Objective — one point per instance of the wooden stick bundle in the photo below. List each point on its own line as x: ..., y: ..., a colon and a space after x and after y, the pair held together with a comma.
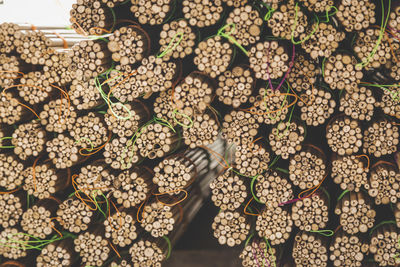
x: 356, y: 15
x: 92, y: 246
x: 130, y: 118
x: 128, y: 45
x: 35, y: 87
x: 310, y: 249
x: 239, y: 128
x: 307, y: 168
x: 46, y: 182
x: 381, y: 138
x: 177, y: 35
x: 84, y: 94
x: 11, y: 206
x: 286, y: 138
x: 29, y: 140
x: 95, y: 179
x: 350, y: 172
x: 356, y: 212
x: 283, y: 21
x: 11, y: 111
x: 56, y: 69
x: 151, y: 12
x: 153, y: 75
x: 252, y: 159
x: 344, y: 135
x: 10, y: 37
x: 203, y: 130
x: 235, y: 87
x: 89, y: 59
x: 384, y: 245
x: 247, y: 25
x: 303, y: 74
x: 275, y: 224
x: 159, y: 219
x: 384, y: 183
x: 121, y: 228
x: 358, y: 103
x: 59, y: 253
x: 348, y: 250
x: 228, y: 191
x: 91, y: 17
x: 131, y: 187
x: 316, y: 106
x: 63, y: 151
x: 10, y: 172
x: 13, y: 243
x: 148, y: 252
x: 193, y: 94
x: 342, y: 72
x: 36, y: 221
x: 311, y: 214
x: 323, y: 42
x: 269, y: 106
x: 230, y: 228
x: 201, y: 13
x: 58, y: 116
x: 156, y: 140
x: 257, y: 251
x: 273, y: 188
x: 90, y: 131
x: 11, y: 69
x: 389, y: 102
x: 34, y: 48
x: 213, y: 55
x: 268, y: 60
x: 75, y: 215
x: 121, y: 154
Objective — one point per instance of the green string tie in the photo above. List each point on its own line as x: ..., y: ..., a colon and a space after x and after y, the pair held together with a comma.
x: 327, y: 233
x: 382, y: 31
x: 6, y: 138
x: 183, y: 115
x: 170, y: 47
x: 294, y: 28
x: 221, y: 32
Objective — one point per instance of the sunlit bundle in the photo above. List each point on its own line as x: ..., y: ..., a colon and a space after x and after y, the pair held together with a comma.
x: 256, y: 252
x: 390, y: 102
x: 59, y: 253
x: 35, y: 88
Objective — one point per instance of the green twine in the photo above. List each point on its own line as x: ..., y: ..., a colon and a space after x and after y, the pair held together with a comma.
x: 270, y: 11
x: 342, y: 194
x: 252, y: 190
x: 278, y: 113
x: 248, y: 239
x: 6, y: 138
x: 169, y: 247
x: 25, y: 244
x: 327, y: 195
x: 327, y: 15
x: 380, y: 224
x: 382, y: 31
x: 327, y: 233
x: 169, y: 48
x: 393, y: 94
x: 110, y: 103
x: 287, y: 127
x: 183, y: 115
x: 294, y: 28
x: 228, y: 36
x: 97, y: 204
x: 88, y: 140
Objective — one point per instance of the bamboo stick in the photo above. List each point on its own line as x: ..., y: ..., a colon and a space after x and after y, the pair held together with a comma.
x: 14, y: 243
x: 310, y: 249
x: 303, y: 74
x: 29, y: 140
x: 252, y: 159
x: 350, y: 172
x: 11, y: 208
x: 84, y: 94
x: 318, y: 6
x: 230, y: 228
x: 273, y: 188
x: 384, y: 245
x: 381, y: 138
x: 356, y: 15
x: 75, y: 215
x: 202, y: 13
x: 358, y: 103
x: 10, y: 171
x: 287, y: 138
x: 59, y: 253
x: 121, y: 153
x: 58, y: 116
x: 275, y: 224
x: 151, y: 12
x: 239, y: 128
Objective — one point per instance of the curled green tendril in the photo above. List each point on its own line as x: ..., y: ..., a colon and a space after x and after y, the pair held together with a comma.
x: 327, y: 15
x: 221, y: 32
x: 88, y: 140
x: 342, y: 194
x: 170, y: 47
x: 294, y: 28
x: 6, y: 138
x: 324, y: 232
x: 252, y: 190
